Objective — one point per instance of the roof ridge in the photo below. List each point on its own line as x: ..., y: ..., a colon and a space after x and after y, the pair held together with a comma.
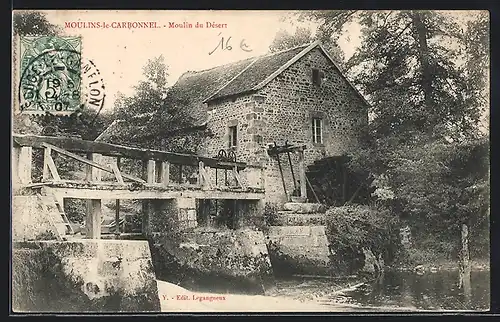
x: 249, y: 58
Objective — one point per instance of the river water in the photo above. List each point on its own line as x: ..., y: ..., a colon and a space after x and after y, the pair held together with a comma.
x: 431, y: 291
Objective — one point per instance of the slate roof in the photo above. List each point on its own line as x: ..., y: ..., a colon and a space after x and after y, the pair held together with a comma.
x: 194, y: 88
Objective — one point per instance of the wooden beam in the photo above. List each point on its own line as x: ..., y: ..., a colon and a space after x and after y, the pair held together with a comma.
x: 120, y: 193
x: 238, y: 178
x: 302, y: 175
x: 117, y: 173
x: 275, y: 150
x: 107, y: 149
x: 282, y: 177
x: 312, y: 189
x: 93, y: 219
x: 49, y: 167
x: 91, y: 163
x: 291, y: 169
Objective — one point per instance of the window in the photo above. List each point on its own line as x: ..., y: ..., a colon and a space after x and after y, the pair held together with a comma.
x: 233, y: 136
x: 317, y: 76
x: 317, y: 127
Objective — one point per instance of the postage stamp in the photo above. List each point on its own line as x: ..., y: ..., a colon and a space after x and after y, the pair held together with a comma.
x: 50, y: 69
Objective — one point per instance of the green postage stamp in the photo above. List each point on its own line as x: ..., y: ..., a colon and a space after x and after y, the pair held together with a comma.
x: 50, y: 68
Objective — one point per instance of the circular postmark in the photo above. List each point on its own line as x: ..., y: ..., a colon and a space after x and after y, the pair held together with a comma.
x: 54, y: 79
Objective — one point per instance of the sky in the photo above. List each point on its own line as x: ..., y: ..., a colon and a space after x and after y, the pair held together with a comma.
x: 120, y: 54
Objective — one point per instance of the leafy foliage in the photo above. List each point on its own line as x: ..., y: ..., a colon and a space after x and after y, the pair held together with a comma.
x: 33, y: 23
x: 153, y: 118
x: 284, y: 40
x: 426, y: 76
x: 354, y: 227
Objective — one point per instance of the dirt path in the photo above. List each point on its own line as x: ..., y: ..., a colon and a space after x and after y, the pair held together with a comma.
x: 174, y: 298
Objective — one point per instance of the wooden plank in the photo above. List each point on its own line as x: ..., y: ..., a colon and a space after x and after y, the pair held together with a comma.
x: 203, y: 177
x: 49, y: 167
x: 312, y: 189
x: 238, y: 178
x: 91, y: 163
x: 107, y: 149
x: 92, y: 193
x: 93, y: 219
x: 117, y: 173
x: 150, y: 171
x: 165, y: 173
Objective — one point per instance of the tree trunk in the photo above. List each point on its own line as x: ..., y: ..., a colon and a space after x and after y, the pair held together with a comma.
x: 421, y: 37
x: 465, y: 271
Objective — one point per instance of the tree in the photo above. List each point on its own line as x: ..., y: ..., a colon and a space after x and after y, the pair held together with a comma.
x: 152, y: 117
x: 424, y: 73
x: 284, y: 40
x: 33, y: 23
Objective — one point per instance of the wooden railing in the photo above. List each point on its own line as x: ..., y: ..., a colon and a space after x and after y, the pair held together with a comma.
x: 154, y: 160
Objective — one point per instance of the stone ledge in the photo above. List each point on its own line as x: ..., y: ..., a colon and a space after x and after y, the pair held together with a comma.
x: 288, y: 218
x: 304, y: 208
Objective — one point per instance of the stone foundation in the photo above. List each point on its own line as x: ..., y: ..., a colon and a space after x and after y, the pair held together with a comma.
x: 32, y: 221
x: 83, y: 276
x: 299, y: 250
x: 212, y: 260
x: 297, y: 240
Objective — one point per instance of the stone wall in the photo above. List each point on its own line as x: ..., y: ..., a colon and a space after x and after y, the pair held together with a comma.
x: 299, y: 250
x: 283, y: 111
x: 297, y: 240
x: 83, y: 276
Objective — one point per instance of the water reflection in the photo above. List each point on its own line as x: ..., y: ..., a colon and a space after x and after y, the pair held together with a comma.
x: 431, y: 291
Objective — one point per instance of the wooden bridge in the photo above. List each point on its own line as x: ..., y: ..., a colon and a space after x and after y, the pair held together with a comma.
x: 214, y: 178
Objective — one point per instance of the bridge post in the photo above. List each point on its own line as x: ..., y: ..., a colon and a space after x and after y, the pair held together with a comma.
x: 93, y: 219
x: 151, y: 171
x: 146, y: 216
x: 93, y: 215
x: 93, y: 174
x: 165, y: 173
x: 21, y: 164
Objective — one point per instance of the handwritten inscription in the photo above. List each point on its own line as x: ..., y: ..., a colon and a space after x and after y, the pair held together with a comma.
x: 224, y: 44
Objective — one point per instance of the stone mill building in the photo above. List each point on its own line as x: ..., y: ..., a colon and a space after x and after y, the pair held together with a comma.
x: 296, y: 101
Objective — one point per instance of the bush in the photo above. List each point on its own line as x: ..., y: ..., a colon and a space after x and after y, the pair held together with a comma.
x: 354, y: 227
x: 270, y: 214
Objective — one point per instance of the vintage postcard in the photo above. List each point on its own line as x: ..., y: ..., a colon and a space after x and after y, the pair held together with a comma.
x: 250, y: 161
